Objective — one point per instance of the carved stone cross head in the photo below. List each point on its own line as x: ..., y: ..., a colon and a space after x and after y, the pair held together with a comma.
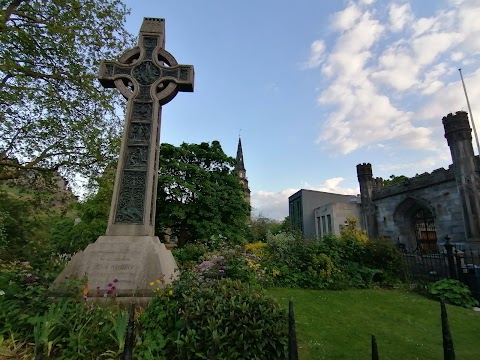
x: 141, y: 74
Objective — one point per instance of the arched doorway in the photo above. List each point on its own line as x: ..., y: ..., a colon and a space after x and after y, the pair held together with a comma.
x: 425, y: 234
x: 415, y: 224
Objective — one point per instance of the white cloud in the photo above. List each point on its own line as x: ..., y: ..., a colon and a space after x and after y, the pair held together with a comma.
x: 273, y: 205
x: 442, y: 157
x: 400, y: 15
x: 367, y: 2
x: 451, y: 98
x: 333, y: 185
x: 383, y: 85
x: 344, y: 20
x: 316, y: 54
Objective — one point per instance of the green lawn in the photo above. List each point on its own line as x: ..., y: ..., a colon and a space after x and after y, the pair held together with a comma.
x: 338, y: 325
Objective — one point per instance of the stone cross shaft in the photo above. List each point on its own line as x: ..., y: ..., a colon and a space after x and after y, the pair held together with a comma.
x: 148, y: 77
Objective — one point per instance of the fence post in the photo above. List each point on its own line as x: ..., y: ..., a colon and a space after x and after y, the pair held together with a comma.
x: 39, y: 352
x: 448, y: 351
x: 374, y: 348
x: 213, y: 351
x: 451, y: 260
x: 458, y: 263
x: 292, y: 333
x: 129, y: 343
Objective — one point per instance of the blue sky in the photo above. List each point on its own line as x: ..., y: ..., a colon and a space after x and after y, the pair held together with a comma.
x: 317, y: 87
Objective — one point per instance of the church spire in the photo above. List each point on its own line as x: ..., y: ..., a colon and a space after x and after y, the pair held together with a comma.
x: 240, y: 166
x: 241, y: 172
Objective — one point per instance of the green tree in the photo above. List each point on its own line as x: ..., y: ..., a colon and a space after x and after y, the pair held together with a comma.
x: 394, y: 180
x: 199, y: 194
x: 54, y: 115
x: 68, y: 235
x: 260, y: 226
x: 24, y: 223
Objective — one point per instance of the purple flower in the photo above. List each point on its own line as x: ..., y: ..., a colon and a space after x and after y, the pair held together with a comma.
x: 115, y: 280
x: 110, y: 292
x: 205, y: 265
x: 110, y: 285
x: 113, y: 288
x: 85, y: 297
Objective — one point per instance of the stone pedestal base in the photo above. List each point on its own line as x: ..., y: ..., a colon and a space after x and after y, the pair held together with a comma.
x: 135, y: 261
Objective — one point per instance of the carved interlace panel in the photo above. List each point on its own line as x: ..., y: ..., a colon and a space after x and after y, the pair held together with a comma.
x: 142, y: 111
x: 136, y: 157
x: 132, y: 197
x: 149, y: 43
x: 144, y: 93
x: 146, y: 73
x: 139, y: 132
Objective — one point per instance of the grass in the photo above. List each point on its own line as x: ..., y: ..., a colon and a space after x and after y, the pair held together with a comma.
x: 339, y: 324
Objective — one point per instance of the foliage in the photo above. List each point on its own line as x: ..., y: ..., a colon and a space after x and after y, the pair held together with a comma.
x: 189, y: 255
x: 13, y: 348
x: 199, y: 194
x: 381, y: 253
x: 60, y: 328
x: 453, y: 292
x: 222, y: 319
x: 332, y: 263
x: 352, y: 231
x: 260, y: 226
x: 17, y: 224
x: 68, y: 236
x: 54, y: 114
x: 394, y: 180
x: 25, y: 219
x: 24, y: 296
x: 65, y: 330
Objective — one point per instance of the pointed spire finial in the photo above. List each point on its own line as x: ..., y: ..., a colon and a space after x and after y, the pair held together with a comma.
x: 240, y: 165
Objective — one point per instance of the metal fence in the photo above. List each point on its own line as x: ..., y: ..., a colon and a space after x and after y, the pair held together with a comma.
x: 451, y: 263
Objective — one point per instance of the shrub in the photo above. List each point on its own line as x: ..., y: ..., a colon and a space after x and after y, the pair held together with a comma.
x: 453, y: 292
x: 352, y: 232
x: 23, y: 296
x: 224, y: 318
x: 189, y: 255
x: 382, y: 254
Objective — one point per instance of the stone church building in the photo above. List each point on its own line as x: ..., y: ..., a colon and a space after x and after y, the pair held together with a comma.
x: 422, y: 211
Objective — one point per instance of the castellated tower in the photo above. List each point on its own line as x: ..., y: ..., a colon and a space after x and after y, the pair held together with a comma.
x: 242, y: 173
x: 365, y: 179
x: 459, y: 137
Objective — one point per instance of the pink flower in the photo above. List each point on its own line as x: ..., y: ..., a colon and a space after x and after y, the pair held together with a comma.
x: 110, y: 285
x: 115, y: 280
x: 85, y: 297
x: 113, y: 288
x: 109, y: 292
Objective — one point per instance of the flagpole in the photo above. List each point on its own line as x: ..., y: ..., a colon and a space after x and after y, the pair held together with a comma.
x: 470, y: 111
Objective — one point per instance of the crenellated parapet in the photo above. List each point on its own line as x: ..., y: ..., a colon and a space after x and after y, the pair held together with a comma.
x: 377, y: 183
x: 437, y: 176
x: 457, y: 127
x: 364, y: 171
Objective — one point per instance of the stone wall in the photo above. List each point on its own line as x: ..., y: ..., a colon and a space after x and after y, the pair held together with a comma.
x: 436, y: 191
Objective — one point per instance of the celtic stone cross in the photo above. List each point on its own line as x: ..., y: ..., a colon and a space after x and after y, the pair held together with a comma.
x: 148, y: 77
